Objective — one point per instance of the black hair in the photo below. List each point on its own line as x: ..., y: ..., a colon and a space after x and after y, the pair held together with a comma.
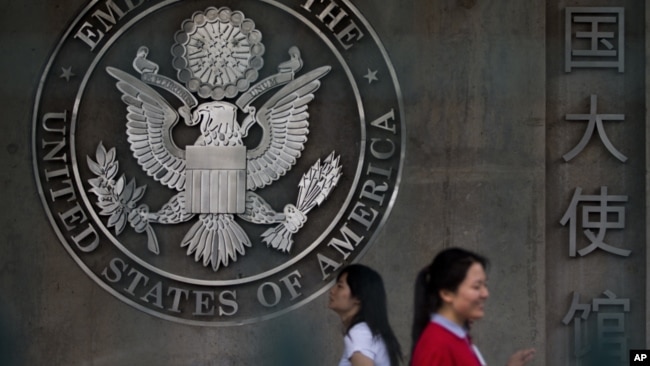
x: 446, y: 272
x: 367, y: 286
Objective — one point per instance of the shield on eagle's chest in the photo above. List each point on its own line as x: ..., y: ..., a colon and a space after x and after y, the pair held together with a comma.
x: 215, y: 179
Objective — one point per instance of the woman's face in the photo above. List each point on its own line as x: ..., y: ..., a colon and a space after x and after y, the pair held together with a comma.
x: 341, y: 299
x: 467, y: 303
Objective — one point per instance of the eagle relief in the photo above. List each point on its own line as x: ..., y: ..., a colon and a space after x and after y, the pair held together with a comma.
x: 216, y: 165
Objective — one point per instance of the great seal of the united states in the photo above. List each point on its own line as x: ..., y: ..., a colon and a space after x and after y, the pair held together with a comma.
x: 217, y: 164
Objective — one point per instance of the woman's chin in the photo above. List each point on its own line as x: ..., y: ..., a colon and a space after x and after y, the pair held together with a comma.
x: 477, y: 316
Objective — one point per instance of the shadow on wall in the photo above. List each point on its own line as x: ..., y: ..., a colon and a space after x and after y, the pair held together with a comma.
x: 605, y: 355
x: 290, y: 341
x: 9, y: 345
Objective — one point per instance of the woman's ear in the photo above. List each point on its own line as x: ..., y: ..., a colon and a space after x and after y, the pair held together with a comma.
x: 447, y: 295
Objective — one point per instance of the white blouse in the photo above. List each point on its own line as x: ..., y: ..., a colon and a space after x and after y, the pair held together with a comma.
x: 360, y: 339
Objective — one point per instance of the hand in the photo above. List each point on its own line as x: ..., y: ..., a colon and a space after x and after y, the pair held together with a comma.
x: 521, y: 357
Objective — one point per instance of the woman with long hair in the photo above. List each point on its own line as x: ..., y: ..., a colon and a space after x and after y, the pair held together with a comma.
x: 450, y: 294
x: 359, y: 298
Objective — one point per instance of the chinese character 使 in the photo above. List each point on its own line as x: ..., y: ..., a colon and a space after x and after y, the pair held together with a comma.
x: 599, y: 214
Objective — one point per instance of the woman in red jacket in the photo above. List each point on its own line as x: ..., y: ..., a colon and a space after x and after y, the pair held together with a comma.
x: 450, y: 294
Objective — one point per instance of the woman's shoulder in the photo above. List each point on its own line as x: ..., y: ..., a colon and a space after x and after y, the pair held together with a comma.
x: 361, y: 333
x: 360, y: 339
x: 438, y: 332
x: 436, y: 346
x: 361, y: 329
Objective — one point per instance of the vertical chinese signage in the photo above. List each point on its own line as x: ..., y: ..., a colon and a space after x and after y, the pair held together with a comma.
x: 595, y: 182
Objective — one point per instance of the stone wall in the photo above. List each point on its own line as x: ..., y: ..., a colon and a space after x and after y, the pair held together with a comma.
x: 484, y: 99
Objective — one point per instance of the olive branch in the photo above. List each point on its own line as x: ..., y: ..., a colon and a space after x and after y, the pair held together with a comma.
x: 117, y: 198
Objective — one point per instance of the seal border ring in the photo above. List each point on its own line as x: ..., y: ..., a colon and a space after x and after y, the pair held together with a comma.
x: 398, y: 176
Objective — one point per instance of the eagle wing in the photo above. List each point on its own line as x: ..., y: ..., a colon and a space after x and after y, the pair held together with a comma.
x: 284, y: 119
x: 150, y: 119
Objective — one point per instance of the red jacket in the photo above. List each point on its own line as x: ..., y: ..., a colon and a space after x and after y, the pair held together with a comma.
x: 438, y: 346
